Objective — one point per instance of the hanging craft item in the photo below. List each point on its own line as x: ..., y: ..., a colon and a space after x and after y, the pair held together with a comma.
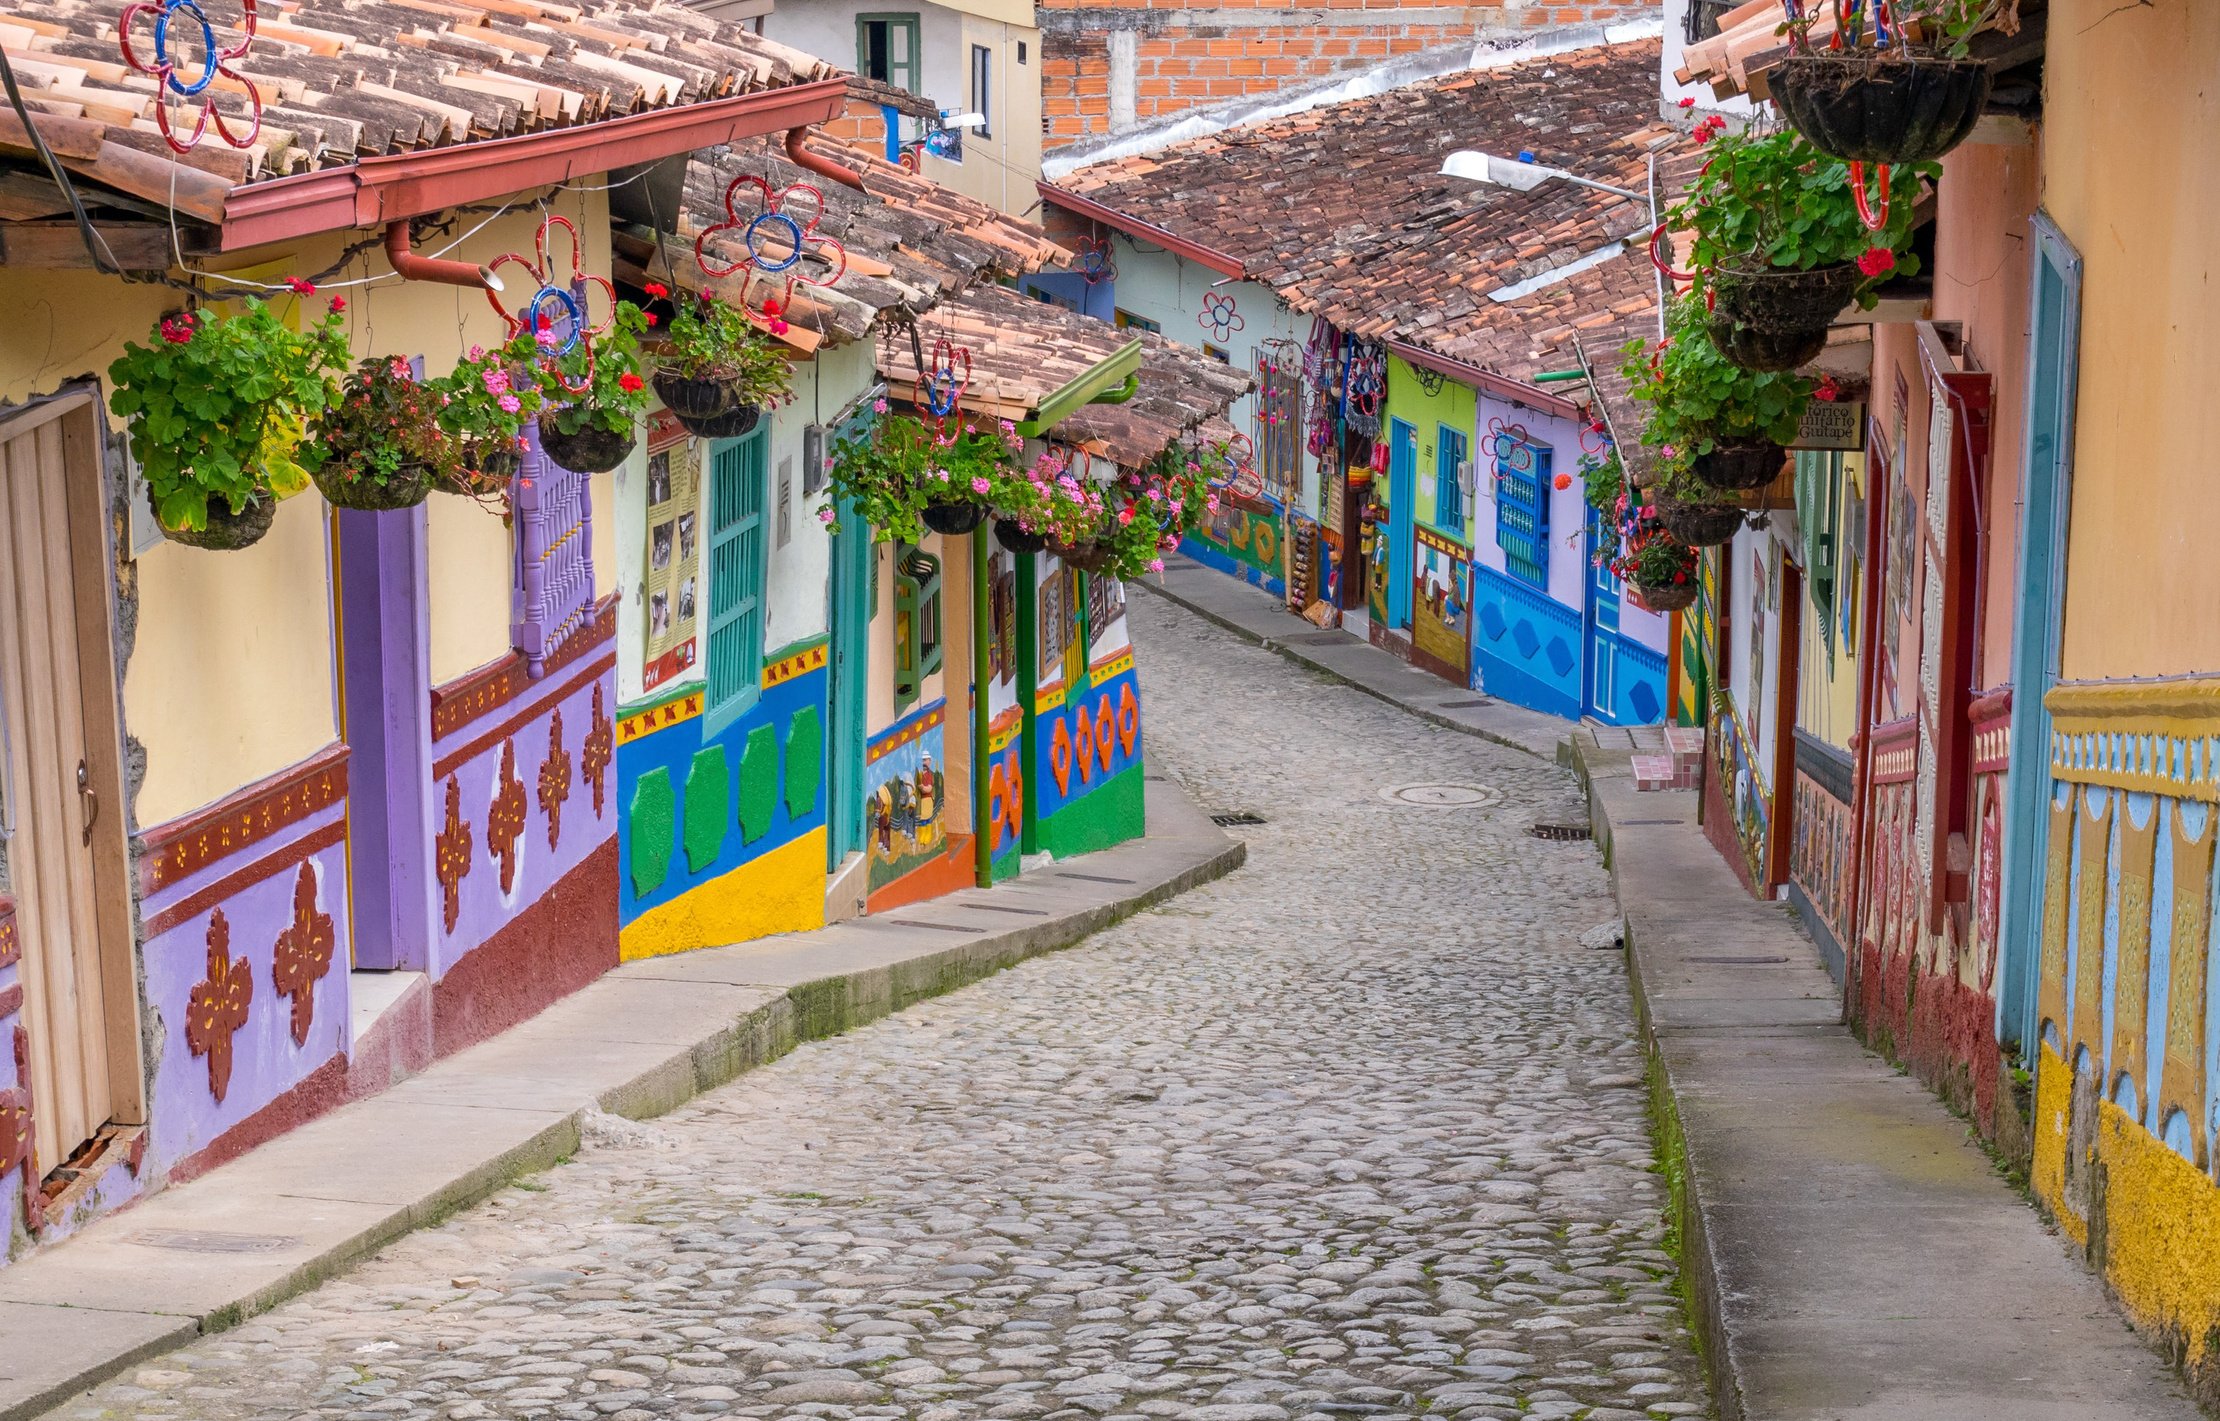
x: 170, y: 16
x: 1095, y: 262
x: 1431, y: 381
x: 1595, y: 438
x: 1511, y: 447
x: 1218, y: 316
x: 942, y: 385
x: 1322, y: 354
x: 557, y: 311
x: 773, y: 240
x: 1365, y: 387
x: 1246, y: 481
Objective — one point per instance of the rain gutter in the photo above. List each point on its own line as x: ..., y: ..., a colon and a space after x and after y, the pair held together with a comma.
x: 1464, y: 373
x: 1110, y: 217
x: 1116, y: 377
x: 389, y: 188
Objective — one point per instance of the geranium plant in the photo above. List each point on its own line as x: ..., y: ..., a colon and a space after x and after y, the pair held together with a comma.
x: 1699, y: 401
x: 1124, y: 528
x: 712, y: 341
x: 489, y: 397
x: 380, y: 443
x: 1650, y: 557
x: 216, y: 407
x: 597, y: 382
x: 881, y: 474
x: 1603, y: 483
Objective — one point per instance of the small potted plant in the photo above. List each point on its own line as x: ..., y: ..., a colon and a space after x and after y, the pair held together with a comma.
x: 1727, y: 426
x: 973, y: 475
x: 880, y: 474
x: 487, y: 399
x: 215, y: 410
x: 1778, y: 248
x: 1658, y: 569
x: 714, y: 372
x: 1888, y: 101
x: 1124, y: 528
x: 595, y: 392
x: 380, y: 444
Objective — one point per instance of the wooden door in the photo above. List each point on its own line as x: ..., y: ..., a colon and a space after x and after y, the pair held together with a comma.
x: 60, y: 780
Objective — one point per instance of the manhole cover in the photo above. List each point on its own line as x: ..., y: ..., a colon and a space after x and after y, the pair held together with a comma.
x: 1238, y: 817
x: 1443, y: 796
x: 211, y: 1241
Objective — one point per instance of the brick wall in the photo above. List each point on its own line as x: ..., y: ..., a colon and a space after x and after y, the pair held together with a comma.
x: 1166, y: 58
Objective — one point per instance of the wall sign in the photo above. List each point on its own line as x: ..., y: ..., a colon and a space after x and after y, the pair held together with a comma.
x: 671, y: 585
x: 1832, y: 424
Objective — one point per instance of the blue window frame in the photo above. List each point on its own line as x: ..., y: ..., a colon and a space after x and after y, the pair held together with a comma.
x: 1522, y: 506
x: 1450, y: 448
x: 737, y: 559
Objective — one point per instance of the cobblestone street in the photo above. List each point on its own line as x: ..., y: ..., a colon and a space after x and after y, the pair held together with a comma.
x: 1358, y: 1130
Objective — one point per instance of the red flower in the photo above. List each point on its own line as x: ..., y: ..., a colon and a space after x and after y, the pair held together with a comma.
x: 656, y: 288
x: 178, y: 329
x: 1828, y: 391
x: 630, y: 383
x: 300, y: 286
x: 1687, y: 103
x: 771, y: 308
x: 651, y: 318
x: 338, y: 304
x: 1877, y: 261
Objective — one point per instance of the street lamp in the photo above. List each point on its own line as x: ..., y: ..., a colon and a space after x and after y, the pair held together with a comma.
x: 1520, y: 173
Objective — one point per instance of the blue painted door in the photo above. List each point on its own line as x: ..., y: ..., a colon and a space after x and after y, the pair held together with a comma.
x: 1601, y: 617
x: 2053, y: 345
x: 1402, y: 519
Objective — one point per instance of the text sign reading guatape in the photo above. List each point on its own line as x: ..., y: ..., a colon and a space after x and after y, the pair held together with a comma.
x: 1832, y: 424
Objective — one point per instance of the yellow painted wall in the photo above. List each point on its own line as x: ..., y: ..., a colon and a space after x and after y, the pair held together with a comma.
x: 782, y: 891
x: 1827, y: 679
x: 2131, y: 154
x: 232, y: 677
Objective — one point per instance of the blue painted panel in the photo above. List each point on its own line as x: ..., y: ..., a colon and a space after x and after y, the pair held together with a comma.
x: 1637, y: 682
x: 1526, y: 647
x: 1402, y: 509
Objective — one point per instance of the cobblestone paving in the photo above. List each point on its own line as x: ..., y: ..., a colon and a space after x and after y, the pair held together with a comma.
x: 1357, y: 1131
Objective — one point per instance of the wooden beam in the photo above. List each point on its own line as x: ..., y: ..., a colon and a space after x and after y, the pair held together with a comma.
x: 57, y: 246
x: 26, y: 197
x: 189, y: 190
x: 65, y: 137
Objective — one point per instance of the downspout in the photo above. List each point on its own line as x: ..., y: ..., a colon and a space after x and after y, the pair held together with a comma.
x: 823, y: 167
x: 410, y: 267
x: 1874, y: 571
x: 982, y: 762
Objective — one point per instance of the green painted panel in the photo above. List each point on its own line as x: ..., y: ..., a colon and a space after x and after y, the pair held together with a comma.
x: 1110, y: 814
x: 805, y: 761
x: 759, y: 783
x: 1426, y: 411
x: 654, y: 820
x: 708, y: 801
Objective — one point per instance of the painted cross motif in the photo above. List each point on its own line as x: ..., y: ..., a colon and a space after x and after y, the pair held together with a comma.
x: 304, y: 952
x: 943, y: 384
x: 557, y: 309
x: 214, y: 63
x: 554, y: 779
x: 600, y: 741
x: 452, y: 855
x: 218, y: 1005
x: 773, y: 240
x: 1218, y: 315
x: 505, y: 820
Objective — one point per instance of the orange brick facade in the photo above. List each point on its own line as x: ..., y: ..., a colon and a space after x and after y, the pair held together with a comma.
x: 1186, y: 56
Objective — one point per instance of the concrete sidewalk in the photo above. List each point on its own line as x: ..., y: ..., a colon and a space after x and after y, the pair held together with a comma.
x: 649, y: 1035
x: 1252, y: 613
x: 1853, y: 1254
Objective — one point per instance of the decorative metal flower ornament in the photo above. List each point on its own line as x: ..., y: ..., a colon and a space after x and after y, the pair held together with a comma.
x: 557, y: 312
x: 942, y: 383
x: 1218, y: 315
x: 215, y: 63
x: 774, y: 237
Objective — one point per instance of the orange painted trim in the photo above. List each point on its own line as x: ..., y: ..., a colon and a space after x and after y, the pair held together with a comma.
x: 941, y: 876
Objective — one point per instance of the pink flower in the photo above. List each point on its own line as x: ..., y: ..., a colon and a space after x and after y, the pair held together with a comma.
x: 941, y: 475
x: 825, y: 515
x: 1125, y: 515
x: 1156, y: 564
x: 477, y: 353
x: 1005, y: 426
x: 178, y: 329
x: 878, y: 407
x: 496, y: 381
x: 546, y: 338
x: 511, y: 403
x: 979, y: 484
x: 1877, y: 261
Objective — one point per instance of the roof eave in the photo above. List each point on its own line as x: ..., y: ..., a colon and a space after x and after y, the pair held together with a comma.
x: 1220, y: 262
x: 391, y: 187
x: 1466, y: 373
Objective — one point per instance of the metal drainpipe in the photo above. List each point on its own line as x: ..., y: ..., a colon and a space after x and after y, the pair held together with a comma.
x: 981, y: 762
x: 411, y: 267
x: 822, y: 167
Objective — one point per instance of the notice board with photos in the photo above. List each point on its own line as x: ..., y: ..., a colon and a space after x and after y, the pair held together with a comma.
x: 671, y: 592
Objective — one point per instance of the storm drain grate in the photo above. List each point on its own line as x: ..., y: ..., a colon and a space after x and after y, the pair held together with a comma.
x: 1736, y: 961
x: 1236, y: 818
x: 936, y: 927
x: 1097, y: 878
x: 1005, y: 908
x: 1465, y: 705
x: 1565, y: 832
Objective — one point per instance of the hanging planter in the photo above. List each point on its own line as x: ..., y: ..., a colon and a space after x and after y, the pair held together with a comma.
x: 1087, y: 557
x: 491, y: 462
x: 1740, y: 467
x: 954, y: 516
x: 591, y: 448
x: 1016, y: 539
x: 1886, y: 106
x: 1763, y: 352
x: 1699, y: 525
x: 1671, y: 597
x: 379, y: 444
x: 710, y: 408
x: 224, y: 531
x: 1776, y: 318
x: 714, y: 372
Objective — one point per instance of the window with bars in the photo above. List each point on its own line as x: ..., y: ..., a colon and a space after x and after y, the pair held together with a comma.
x: 1450, y: 450
x: 917, y: 633
x: 553, y: 598
x: 1522, y: 507
x: 737, y: 559
x: 1279, y: 443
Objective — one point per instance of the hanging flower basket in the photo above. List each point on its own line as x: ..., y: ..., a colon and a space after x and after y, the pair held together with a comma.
x: 1671, y: 597
x: 405, y: 487
x: 225, y: 531
x: 1764, y: 352
x: 592, y: 450
x: 953, y: 516
x: 1771, y: 298
x: 493, y: 461
x: 1087, y: 557
x: 1886, y: 107
x: 711, y: 408
x: 1016, y: 539
x: 1742, y: 466
x: 1699, y: 525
